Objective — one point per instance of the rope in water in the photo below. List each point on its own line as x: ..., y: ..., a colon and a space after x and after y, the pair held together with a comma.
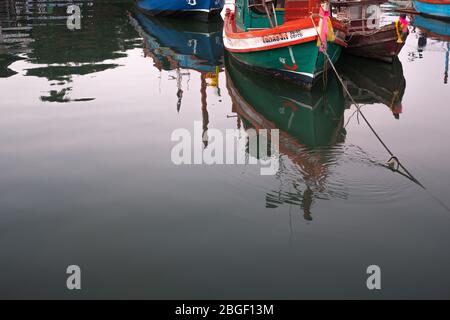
x: 358, y: 107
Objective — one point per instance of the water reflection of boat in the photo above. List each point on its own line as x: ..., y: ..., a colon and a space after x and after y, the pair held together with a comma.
x: 5, y: 61
x: 371, y: 82
x: 36, y: 31
x: 201, y: 9
x: 308, y: 121
x: 437, y: 30
x: 183, y: 45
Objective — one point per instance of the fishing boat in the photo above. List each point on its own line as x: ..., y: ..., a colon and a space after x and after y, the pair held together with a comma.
x: 366, y: 36
x: 437, y: 8
x: 200, y: 9
x: 289, y: 39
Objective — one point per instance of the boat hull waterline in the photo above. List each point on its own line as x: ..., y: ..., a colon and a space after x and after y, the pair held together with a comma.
x: 381, y: 45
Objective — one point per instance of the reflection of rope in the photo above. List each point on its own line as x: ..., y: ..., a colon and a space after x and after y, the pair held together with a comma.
x: 393, y: 157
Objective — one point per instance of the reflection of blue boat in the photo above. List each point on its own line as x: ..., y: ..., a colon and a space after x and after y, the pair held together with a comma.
x: 199, y: 8
x: 437, y: 30
x: 177, y: 44
x: 437, y: 8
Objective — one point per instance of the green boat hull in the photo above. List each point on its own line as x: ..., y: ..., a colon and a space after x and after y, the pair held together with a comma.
x: 302, y: 63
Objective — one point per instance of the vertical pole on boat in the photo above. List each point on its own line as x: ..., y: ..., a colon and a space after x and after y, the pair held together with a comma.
x: 268, y: 14
x: 274, y: 14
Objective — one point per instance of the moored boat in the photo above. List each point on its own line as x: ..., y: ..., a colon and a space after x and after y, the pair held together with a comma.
x: 285, y: 40
x: 201, y: 9
x: 437, y: 8
x: 366, y: 36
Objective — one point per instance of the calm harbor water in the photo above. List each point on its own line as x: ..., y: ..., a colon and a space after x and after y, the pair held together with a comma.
x: 86, y: 176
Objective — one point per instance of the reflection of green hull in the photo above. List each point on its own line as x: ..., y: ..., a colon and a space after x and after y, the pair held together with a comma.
x: 314, y: 118
x: 308, y: 63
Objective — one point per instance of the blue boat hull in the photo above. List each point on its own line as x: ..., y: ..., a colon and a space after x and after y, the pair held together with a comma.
x: 437, y: 10
x: 202, y: 9
x: 436, y: 27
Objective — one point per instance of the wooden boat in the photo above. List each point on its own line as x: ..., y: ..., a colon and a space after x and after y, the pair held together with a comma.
x: 437, y: 8
x: 366, y: 37
x: 373, y: 82
x: 200, y: 9
x: 281, y: 40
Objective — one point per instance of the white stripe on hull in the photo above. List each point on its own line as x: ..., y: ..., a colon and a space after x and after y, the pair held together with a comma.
x: 283, y: 38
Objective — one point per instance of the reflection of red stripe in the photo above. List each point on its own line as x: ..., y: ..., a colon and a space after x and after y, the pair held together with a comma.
x: 293, y: 68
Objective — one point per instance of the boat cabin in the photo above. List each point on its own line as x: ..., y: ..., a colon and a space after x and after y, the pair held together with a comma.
x: 263, y: 14
x: 358, y: 15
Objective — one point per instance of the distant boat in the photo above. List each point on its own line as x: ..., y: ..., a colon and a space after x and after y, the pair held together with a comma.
x: 201, y: 9
x: 366, y: 37
x: 437, y: 8
x: 283, y: 40
x: 402, y: 3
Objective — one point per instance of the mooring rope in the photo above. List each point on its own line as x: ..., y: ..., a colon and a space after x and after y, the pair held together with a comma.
x: 393, y: 157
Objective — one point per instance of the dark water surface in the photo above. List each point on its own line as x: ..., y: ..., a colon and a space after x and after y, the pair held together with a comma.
x: 86, y: 176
